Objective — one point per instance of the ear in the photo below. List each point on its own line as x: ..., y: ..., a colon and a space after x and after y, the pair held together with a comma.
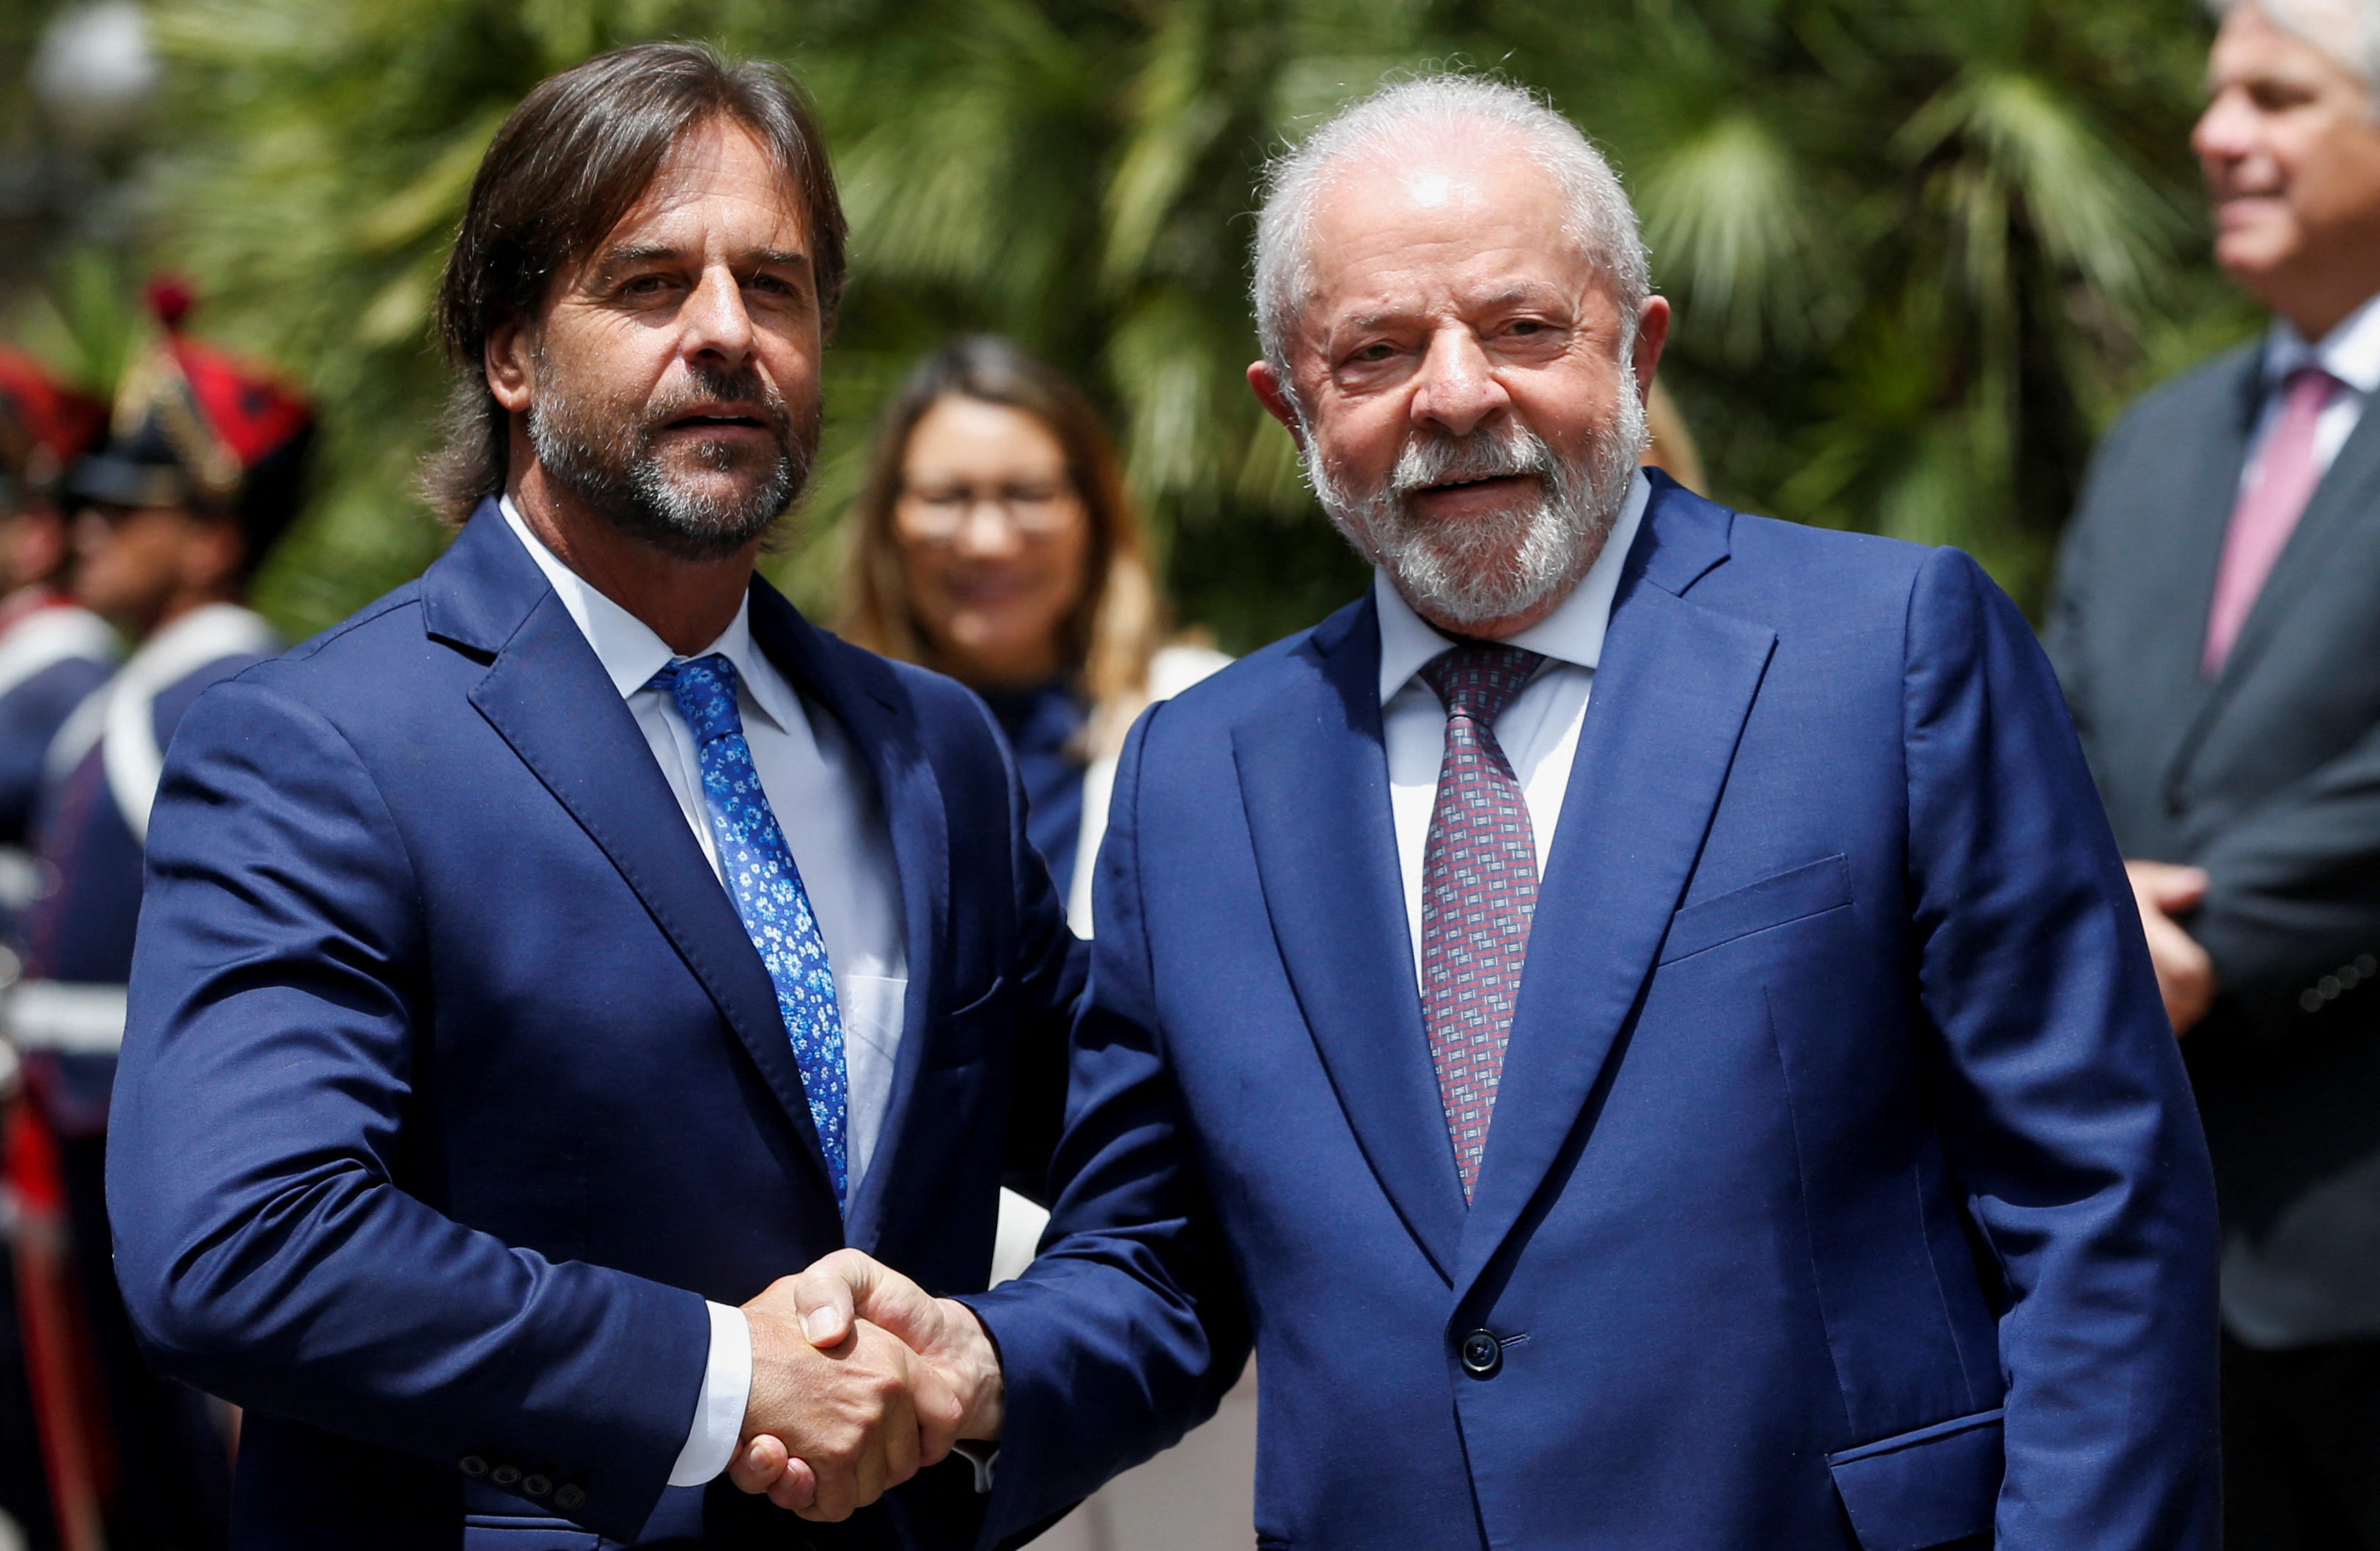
x: 1652, y: 332
x: 1273, y: 394
x: 508, y: 358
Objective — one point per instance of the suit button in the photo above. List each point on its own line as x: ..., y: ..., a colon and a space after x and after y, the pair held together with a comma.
x: 506, y: 1475
x: 2310, y: 999
x: 535, y: 1485
x: 471, y: 1465
x: 2329, y: 987
x: 2366, y: 965
x: 569, y: 1497
x: 1482, y: 1354
x: 2349, y: 976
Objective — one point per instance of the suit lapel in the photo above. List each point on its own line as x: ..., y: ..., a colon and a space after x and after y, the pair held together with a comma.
x: 2196, y: 555
x: 1314, y: 780
x: 2342, y: 499
x: 862, y: 695
x: 1671, y: 696
x: 548, y: 696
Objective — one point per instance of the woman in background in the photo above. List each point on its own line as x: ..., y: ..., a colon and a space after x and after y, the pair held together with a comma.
x: 994, y: 541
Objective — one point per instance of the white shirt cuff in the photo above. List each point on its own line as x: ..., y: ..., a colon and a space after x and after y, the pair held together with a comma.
x: 719, y: 1410
x: 983, y: 1456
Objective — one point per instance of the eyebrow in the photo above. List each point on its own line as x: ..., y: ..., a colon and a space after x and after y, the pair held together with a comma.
x: 1526, y: 292
x: 628, y: 256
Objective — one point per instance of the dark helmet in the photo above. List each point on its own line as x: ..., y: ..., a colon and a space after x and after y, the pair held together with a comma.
x: 43, y: 428
x: 195, y: 428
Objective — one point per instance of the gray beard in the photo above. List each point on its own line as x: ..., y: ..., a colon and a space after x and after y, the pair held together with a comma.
x: 602, y: 452
x: 1495, y: 566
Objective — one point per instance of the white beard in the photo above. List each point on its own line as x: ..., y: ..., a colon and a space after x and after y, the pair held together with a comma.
x: 1476, y: 569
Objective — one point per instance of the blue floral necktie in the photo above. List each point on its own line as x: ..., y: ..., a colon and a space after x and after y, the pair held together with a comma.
x: 757, y: 867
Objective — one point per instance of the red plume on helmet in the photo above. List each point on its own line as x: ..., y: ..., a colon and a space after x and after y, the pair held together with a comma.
x: 44, y: 426
x: 195, y: 426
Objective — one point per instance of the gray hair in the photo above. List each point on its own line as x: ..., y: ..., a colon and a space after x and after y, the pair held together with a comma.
x: 2348, y: 31
x: 1393, y: 117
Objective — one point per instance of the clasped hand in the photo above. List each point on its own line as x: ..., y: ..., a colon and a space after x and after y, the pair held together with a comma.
x: 859, y: 1380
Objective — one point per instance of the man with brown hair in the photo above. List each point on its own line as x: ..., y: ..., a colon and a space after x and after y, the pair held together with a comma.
x: 541, y: 964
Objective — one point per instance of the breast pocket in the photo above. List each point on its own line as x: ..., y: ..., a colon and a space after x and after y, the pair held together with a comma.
x: 1794, y: 895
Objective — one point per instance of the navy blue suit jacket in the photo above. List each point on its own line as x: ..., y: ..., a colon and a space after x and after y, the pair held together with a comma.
x: 1843, y: 1186
x: 453, y: 1086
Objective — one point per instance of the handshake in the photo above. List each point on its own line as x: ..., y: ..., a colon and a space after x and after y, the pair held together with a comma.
x: 859, y: 1380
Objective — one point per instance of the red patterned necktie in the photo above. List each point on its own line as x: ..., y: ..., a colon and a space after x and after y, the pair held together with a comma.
x: 2268, y: 509
x: 1478, y: 889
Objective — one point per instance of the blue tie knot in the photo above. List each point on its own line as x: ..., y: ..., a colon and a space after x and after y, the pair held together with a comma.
x: 704, y: 688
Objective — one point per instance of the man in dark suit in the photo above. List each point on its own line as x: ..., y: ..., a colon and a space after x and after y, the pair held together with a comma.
x: 2216, y: 626
x: 1641, y: 1013
x: 538, y: 965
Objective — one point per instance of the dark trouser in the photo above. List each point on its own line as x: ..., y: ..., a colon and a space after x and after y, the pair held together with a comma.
x: 2302, y: 1448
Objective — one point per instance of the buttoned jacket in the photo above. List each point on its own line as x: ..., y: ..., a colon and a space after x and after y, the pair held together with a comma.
x: 1842, y: 1186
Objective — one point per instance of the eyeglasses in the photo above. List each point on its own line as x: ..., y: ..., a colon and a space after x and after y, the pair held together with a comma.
x: 937, y: 513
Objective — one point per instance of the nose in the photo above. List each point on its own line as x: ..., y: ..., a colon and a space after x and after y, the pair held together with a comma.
x: 2226, y: 131
x: 986, y: 531
x: 1458, y: 387
x: 716, y: 323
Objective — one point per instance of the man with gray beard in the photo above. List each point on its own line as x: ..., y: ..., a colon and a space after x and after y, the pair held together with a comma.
x: 539, y: 967
x: 1640, y: 1017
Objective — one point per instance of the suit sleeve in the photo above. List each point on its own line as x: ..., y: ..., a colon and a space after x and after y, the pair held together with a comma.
x: 1128, y: 1329
x: 2068, y: 1119
x: 2291, y: 894
x: 266, y: 1253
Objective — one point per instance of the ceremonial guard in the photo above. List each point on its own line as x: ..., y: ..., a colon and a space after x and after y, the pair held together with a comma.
x: 53, y: 652
x: 201, y: 471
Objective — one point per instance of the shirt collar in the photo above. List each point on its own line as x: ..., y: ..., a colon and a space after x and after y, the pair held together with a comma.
x: 2350, y: 352
x: 627, y: 647
x: 1572, y: 633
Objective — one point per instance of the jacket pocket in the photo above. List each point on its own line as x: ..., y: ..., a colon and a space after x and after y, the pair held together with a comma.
x: 1923, y: 1488
x: 1807, y: 890
x: 492, y: 1531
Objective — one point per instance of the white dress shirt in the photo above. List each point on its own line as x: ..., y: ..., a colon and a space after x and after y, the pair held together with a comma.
x: 2350, y: 352
x: 826, y: 802
x: 1539, y: 731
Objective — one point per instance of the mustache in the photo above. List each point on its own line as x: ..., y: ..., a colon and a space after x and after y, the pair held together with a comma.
x: 705, y: 385
x: 1434, y: 459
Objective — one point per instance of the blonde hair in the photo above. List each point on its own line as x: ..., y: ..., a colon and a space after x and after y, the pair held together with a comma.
x: 1118, y: 624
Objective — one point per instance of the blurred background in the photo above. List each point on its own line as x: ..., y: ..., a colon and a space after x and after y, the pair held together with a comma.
x: 1922, y: 249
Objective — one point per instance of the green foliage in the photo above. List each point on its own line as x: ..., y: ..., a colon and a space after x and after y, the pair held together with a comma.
x: 1922, y: 249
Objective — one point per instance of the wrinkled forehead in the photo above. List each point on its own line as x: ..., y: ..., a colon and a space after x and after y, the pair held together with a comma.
x: 719, y: 176
x: 1439, y: 229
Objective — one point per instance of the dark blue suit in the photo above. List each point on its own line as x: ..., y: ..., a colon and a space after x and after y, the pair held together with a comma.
x: 1842, y: 1186
x: 454, y: 1086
